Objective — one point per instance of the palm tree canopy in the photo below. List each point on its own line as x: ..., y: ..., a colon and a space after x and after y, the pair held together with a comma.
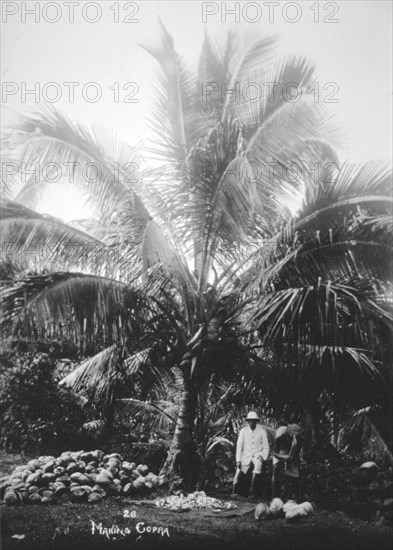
x: 247, y: 234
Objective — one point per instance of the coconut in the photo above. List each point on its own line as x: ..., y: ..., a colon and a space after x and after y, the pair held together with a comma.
x: 4, y: 486
x: 262, y: 511
x: 58, y: 485
x: 47, y: 478
x: 80, y: 478
x: 154, y: 480
x: 295, y: 513
x: 114, y: 455
x: 49, y: 466
x: 126, y: 466
x: 94, y: 498
x: 64, y: 460
x: 72, y: 468
x: 139, y: 483
x: 143, y: 469
x: 104, y: 478
x: 76, y: 455
x: 112, y: 470
x: 124, y: 479
x: 288, y: 505
x: 33, y: 479
x: 308, y: 507
x: 87, y: 457
x: 98, y: 455
x: 11, y: 498
x: 64, y: 479
x: 33, y: 464
x: 276, y: 507
x: 20, y: 469
x: 17, y: 478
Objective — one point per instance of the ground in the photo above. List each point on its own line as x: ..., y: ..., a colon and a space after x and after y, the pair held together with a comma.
x: 70, y: 526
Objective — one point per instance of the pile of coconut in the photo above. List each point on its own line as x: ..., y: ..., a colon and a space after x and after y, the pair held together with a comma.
x: 77, y: 476
x: 290, y: 510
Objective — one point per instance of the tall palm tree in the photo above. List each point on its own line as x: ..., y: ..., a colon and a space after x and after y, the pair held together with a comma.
x: 203, y: 270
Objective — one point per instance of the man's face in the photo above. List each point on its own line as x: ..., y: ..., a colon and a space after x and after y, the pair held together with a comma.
x: 252, y: 423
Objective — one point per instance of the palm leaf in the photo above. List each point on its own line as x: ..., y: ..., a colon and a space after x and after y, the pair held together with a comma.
x: 48, y: 137
x: 76, y: 305
x: 160, y: 415
x: 43, y: 240
x: 172, y: 116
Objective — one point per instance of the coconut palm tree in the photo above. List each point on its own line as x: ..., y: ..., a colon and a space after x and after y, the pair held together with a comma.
x: 226, y: 263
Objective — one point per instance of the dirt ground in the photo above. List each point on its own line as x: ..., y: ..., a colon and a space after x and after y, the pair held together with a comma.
x: 70, y: 526
x: 82, y: 526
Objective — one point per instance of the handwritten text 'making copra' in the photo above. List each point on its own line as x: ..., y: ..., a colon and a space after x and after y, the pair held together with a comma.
x: 115, y: 531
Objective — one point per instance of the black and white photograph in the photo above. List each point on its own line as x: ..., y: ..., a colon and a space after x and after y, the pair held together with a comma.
x: 196, y: 275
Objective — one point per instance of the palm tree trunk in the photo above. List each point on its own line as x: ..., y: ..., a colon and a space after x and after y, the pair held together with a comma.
x: 184, y: 423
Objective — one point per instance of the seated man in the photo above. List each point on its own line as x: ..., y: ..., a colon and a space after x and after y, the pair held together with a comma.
x: 286, y: 462
x: 252, y: 450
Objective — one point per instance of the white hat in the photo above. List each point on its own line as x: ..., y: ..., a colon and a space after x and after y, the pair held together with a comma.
x: 252, y: 416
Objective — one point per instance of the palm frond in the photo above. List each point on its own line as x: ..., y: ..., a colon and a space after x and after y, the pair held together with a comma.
x: 361, y: 428
x: 73, y: 305
x: 41, y: 240
x: 172, y: 117
x: 246, y: 62
x: 345, y: 185
x: 97, y: 372
x: 160, y: 415
x: 92, y: 161
x: 109, y: 373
